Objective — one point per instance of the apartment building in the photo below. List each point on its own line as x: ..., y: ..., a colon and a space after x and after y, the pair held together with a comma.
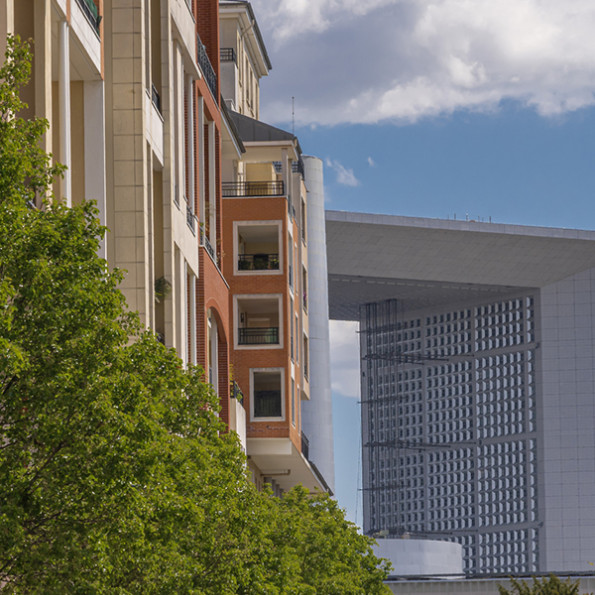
x: 67, y: 87
x: 133, y: 93
x: 266, y: 246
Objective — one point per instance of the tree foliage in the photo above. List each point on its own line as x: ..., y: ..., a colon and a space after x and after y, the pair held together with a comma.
x: 116, y: 475
x: 546, y: 586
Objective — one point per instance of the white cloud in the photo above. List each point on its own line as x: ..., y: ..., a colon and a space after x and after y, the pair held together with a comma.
x: 345, y: 176
x: 402, y: 60
x: 345, y: 358
x: 371, y: 162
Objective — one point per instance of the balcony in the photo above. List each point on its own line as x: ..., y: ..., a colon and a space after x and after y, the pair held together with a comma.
x: 190, y: 218
x: 203, y: 61
x: 91, y: 11
x: 268, y: 335
x: 258, y: 262
x: 156, y: 98
x: 264, y: 188
x: 228, y: 55
x: 235, y: 392
x: 204, y: 242
x: 305, y: 446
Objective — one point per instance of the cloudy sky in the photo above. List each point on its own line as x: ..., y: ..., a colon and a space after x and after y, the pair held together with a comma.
x: 436, y: 108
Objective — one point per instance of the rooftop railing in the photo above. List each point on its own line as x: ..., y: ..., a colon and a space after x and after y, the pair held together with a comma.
x: 258, y: 262
x: 238, y: 189
x: 267, y: 335
x: 91, y: 11
x: 205, y: 65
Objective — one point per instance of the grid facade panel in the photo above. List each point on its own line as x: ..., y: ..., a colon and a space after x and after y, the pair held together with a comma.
x: 448, y: 422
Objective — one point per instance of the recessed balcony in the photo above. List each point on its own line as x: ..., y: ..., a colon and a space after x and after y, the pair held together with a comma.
x: 258, y: 322
x: 258, y: 247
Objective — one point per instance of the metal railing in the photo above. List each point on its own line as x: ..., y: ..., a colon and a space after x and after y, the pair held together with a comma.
x: 267, y: 403
x: 258, y: 262
x: 91, y: 11
x: 203, y: 61
x: 190, y: 218
x: 267, y: 335
x: 235, y: 392
x: 305, y: 446
x: 232, y: 189
x: 204, y: 241
x: 228, y: 55
x: 156, y: 98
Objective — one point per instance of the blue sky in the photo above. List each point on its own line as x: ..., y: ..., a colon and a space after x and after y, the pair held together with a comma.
x: 435, y: 108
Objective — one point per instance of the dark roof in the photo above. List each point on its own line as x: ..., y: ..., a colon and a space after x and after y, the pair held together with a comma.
x: 252, y: 130
x: 256, y: 28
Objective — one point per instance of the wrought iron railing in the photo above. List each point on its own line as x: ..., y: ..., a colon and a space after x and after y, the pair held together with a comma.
x: 156, y: 98
x: 267, y: 335
x: 232, y: 189
x: 190, y: 218
x: 204, y: 241
x: 236, y: 392
x: 258, y: 262
x: 228, y: 55
x: 91, y: 11
x: 205, y: 65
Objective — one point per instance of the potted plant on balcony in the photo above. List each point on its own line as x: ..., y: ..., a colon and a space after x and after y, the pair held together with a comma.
x: 244, y: 263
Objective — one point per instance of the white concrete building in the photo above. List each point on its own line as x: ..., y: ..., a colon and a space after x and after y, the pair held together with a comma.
x: 478, y: 384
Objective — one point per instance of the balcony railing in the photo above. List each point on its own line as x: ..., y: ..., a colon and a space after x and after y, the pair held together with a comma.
x: 204, y: 241
x: 91, y: 11
x: 268, y: 335
x: 232, y: 189
x: 156, y: 98
x: 235, y: 392
x: 228, y: 55
x: 305, y: 446
x: 258, y: 262
x: 205, y: 65
x: 190, y: 218
x: 267, y: 403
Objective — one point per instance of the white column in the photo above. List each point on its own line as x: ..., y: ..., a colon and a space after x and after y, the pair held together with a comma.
x: 183, y: 310
x: 212, y: 186
x: 192, y: 306
x: 94, y: 117
x: 6, y: 24
x: 64, y: 101
x: 190, y: 136
x: 201, y: 159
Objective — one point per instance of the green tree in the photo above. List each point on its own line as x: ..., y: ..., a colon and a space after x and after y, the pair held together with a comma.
x: 116, y: 474
x: 313, y: 549
x: 545, y: 586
